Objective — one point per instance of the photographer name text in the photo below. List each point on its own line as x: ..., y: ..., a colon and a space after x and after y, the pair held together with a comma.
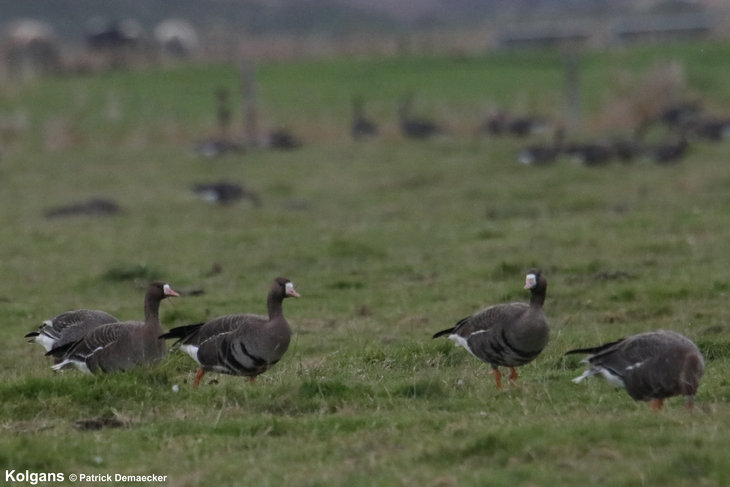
x: 35, y: 478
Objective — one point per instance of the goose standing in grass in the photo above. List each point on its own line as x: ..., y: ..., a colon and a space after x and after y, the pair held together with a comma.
x: 670, y: 152
x: 68, y: 327
x: 506, y: 335
x: 543, y: 154
x: 120, y: 346
x: 651, y: 366
x: 412, y: 127
x: 240, y: 344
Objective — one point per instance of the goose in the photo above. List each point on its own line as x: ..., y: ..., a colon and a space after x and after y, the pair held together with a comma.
x: 679, y: 114
x: 216, y: 147
x: 414, y: 128
x: 495, y: 124
x: 225, y: 193
x: 543, y: 154
x: 524, y: 126
x: 626, y: 149
x: 591, y: 153
x: 91, y: 207
x: 119, y: 346
x: 361, y: 127
x: 669, y: 152
x: 68, y: 327
x: 283, y: 139
x: 506, y: 335
x: 239, y: 344
x: 651, y: 366
x: 713, y: 129
x: 500, y: 123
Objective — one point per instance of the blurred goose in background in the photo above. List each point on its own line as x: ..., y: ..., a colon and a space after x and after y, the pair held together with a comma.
x: 90, y: 207
x: 361, y: 127
x: 669, y: 152
x: 414, y: 128
x: 122, y: 345
x: 282, y: 139
x: 506, y: 335
x: 591, y: 153
x: 68, y: 327
x: 543, y: 154
x: 216, y: 147
x: 712, y: 129
x: 651, y: 366
x: 225, y: 193
x: 680, y: 114
x: 501, y: 123
x: 239, y: 344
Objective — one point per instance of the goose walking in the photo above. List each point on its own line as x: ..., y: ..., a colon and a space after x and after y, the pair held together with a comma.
x: 120, y: 346
x: 68, y: 327
x: 651, y: 366
x: 506, y: 335
x: 239, y: 344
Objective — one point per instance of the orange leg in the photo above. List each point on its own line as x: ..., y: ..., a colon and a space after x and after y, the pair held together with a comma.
x: 198, y: 376
x: 497, y: 378
x: 656, y: 404
x: 513, y: 374
x: 252, y: 379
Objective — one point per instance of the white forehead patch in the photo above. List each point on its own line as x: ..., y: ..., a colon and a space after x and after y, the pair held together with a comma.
x: 167, y: 289
x: 530, y: 280
x: 289, y: 287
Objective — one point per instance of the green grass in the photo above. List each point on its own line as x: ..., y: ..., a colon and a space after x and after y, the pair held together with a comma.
x: 388, y: 242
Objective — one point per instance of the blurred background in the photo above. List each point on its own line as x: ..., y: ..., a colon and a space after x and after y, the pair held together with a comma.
x: 41, y: 36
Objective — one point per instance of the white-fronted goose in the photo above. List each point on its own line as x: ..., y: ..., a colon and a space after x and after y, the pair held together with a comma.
x: 239, y: 344
x: 506, y: 335
x: 68, y: 327
x: 122, y: 345
x: 651, y: 366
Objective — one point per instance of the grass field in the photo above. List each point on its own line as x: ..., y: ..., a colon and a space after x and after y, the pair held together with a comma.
x: 387, y: 241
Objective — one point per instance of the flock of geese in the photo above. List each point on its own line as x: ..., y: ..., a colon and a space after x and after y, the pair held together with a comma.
x: 683, y: 122
x: 651, y: 366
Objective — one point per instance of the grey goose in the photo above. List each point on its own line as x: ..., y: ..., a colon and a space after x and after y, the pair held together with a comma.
x: 506, y: 335
x: 122, y: 345
x: 412, y: 127
x: 651, y: 366
x: 239, y: 344
x: 361, y: 127
x: 68, y: 327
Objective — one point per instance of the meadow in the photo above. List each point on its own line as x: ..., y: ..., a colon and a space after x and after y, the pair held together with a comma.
x: 387, y: 241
